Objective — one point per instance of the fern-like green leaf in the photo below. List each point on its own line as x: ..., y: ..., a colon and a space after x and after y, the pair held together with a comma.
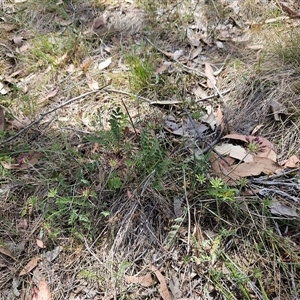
x: 117, y: 122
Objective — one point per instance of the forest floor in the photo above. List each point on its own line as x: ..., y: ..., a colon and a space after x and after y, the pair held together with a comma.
x: 149, y: 149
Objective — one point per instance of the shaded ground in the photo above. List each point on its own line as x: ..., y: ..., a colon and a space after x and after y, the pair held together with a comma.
x: 110, y: 188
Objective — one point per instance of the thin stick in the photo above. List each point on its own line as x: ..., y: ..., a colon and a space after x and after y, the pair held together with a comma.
x: 258, y: 181
x: 130, y: 95
x: 129, y: 116
x: 188, y: 212
x: 212, y: 96
x: 279, y: 192
x: 127, y: 94
x: 281, y: 174
x: 43, y: 115
x: 3, y: 45
x: 93, y: 254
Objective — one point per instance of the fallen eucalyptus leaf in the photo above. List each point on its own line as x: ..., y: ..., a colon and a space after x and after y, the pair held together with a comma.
x: 210, y: 117
x: 233, y: 151
x: 258, y: 166
x: 3, y: 91
x: 92, y: 83
x: 191, y: 130
x: 52, y: 255
x: 104, y: 64
x: 177, y: 54
x: 164, y: 67
x: 209, y: 72
x: 163, y: 287
x: 249, y: 138
x: 144, y: 281
x: 282, y: 210
x: 171, y: 125
x: 6, y: 252
x: 41, y: 291
x: 292, y: 162
x: 30, y: 266
x: 277, y: 108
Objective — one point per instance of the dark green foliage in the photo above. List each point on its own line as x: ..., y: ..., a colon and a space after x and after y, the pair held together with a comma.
x: 152, y: 156
x: 141, y: 74
x: 117, y: 122
x: 114, y: 137
x: 74, y: 211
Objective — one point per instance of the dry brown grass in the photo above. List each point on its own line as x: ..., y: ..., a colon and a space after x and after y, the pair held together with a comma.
x: 212, y: 248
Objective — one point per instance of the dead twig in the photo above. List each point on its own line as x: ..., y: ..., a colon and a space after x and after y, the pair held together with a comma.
x: 129, y: 116
x: 188, y: 213
x: 280, y: 174
x: 5, y: 46
x: 265, y: 191
x: 43, y: 115
x: 127, y: 94
x: 212, y: 96
x: 258, y: 181
x: 88, y: 248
